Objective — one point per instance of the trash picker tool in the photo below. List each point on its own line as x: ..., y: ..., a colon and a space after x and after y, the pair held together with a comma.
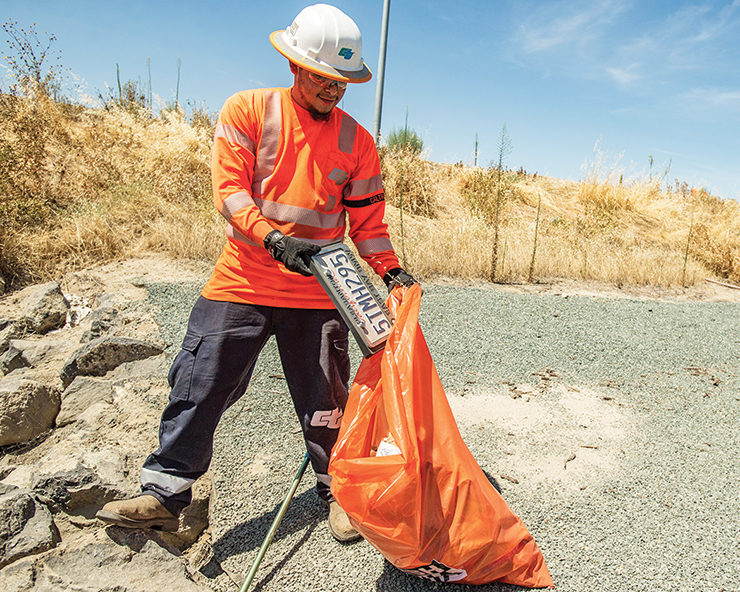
x: 275, y: 524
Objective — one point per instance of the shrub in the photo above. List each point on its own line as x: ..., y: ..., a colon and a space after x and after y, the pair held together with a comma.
x: 408, y: 180
x: 130, y: 97
x: 404, y: 140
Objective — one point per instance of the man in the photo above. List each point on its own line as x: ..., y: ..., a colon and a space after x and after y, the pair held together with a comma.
x: 289, y: 170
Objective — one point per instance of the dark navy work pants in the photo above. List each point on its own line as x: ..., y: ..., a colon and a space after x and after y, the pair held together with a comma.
x: 212, y: 371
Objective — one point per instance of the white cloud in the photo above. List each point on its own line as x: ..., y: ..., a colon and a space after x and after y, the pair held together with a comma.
x: 700, y: 37
x: 712, y: 98
x: 625, y: 76
x: 703, y: 24
x: 638, y: 48
x: 562, y: 25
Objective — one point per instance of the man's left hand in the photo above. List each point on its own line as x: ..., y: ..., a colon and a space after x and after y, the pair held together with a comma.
x: 398, y: 277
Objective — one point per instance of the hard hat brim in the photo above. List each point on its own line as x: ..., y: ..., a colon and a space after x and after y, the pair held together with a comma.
x: 319, y: 68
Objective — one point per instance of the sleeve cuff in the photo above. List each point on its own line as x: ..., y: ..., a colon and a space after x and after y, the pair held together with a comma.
x: 261, y: 230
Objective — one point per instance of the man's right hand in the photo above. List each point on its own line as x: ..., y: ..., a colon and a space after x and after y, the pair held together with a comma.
x: 294, y: 253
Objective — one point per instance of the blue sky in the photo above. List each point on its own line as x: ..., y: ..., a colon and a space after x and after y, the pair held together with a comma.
x: 631, y: 80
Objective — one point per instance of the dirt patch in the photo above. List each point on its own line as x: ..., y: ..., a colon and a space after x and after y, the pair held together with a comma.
x: 124, y: 281
x: 568, y: 436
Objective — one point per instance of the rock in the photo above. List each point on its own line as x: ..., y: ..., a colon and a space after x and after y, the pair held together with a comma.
x: 104, y: 354
x: 53, y: 493
x: 97, y: 418
x: 35, y: 351
x: 19, y: 576
x: 107, y: 416
x: 23, y: 353
x: 27, y: 409
x: 44, y: 307
x: 108, y: 559
x: 80, y: 481
x: 26, y: 527
x: 81, y: 394
x: 12, y: 359
x: 6, y: 470
x: 152, y: 368
x: 79, y: 492
x: 102, y: 319
x: 2, y: 285
x: 9, y: 330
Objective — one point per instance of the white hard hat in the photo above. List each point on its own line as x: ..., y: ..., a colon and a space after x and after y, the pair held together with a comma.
x: 325, y: 41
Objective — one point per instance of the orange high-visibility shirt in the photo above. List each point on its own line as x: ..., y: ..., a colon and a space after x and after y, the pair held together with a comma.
x: 274, y: 167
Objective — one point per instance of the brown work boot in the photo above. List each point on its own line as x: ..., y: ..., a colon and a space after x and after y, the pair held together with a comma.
x: 339, y: 524
x: 145, y: 511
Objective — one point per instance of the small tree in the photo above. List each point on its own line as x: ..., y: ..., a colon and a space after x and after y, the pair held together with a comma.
x: 404, y: 139
x: 504, y: 149
x: 32, y: 63
x: 487, y: 190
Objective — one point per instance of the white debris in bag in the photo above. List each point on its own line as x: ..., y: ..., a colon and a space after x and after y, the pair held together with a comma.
x: 387, y: 449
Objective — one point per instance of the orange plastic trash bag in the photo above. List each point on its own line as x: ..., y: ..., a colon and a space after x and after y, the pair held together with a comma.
x: 408, y: 482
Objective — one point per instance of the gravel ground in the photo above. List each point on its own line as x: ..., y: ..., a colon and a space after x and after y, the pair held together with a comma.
x: 609, y: 424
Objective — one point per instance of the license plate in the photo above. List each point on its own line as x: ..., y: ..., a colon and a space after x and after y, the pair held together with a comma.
x: 354, y: 295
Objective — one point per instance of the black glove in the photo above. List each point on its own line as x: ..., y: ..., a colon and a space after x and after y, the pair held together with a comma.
x: 398, y: 277
x: 294, y: 253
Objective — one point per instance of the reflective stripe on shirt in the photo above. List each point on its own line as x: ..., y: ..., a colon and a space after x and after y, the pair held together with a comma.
x: 234, y: 234
x: 371, y: 246
x: 269, y: 142
x: 285, y: 213
x: 347, y: 133
x: 234, y: 203
x: 298, y: 215
x: 233, y: 135
x: 357, y: 187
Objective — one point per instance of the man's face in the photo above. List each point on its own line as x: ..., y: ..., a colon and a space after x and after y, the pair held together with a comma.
x: 317, y: 99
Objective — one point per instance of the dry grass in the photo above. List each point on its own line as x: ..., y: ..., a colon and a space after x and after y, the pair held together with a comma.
x: 110, y: 184
x: 409, y: 180
x: 623, y: 234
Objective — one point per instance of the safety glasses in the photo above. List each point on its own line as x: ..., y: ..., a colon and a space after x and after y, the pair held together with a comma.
x: 326, y: 82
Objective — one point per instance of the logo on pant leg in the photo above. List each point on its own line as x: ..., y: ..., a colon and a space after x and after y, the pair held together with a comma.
x: 327, y: 419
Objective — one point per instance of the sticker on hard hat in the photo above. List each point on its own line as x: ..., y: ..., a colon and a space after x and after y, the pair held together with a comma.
x: 346, y: 53
x: 354, y: 295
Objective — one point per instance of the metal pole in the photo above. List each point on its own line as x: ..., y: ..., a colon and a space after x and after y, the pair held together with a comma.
x: 381, y: 71
x: 274, y: 527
